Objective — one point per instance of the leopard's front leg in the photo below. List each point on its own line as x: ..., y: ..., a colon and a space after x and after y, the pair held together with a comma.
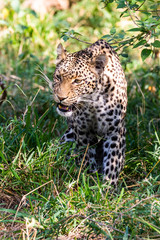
x: 114, y: 154
x: 68, y: 136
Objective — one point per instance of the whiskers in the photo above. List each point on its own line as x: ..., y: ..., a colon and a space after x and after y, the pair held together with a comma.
x: 85, y: 99
x: 80, y: 102
x: 44, y: 76
x: 75, y: 106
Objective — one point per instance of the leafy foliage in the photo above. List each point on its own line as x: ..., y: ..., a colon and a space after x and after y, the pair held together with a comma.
x: 146, y: 18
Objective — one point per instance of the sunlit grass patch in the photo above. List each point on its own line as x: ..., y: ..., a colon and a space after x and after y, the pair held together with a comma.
x: 51, y: 200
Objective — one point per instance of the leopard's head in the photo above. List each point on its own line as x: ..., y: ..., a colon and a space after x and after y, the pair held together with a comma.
x: 76, y: 77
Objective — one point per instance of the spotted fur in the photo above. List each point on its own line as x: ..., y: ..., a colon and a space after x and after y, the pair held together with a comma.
x: 90, y: 89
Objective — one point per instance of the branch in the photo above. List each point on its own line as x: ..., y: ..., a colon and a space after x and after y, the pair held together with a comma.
x: 128, y: 8
x: 140, y: 6
x: 142, y: 200
x: 79, y: 40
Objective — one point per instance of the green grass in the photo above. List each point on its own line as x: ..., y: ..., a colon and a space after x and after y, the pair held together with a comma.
x: 43, y: 195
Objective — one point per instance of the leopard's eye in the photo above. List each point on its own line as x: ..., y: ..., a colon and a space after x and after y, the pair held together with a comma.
x: 77, y: 80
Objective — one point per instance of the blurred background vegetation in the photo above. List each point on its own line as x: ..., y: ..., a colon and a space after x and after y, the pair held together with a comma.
x: 30, y: 127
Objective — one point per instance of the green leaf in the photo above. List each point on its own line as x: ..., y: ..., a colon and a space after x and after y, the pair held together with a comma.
x: 33, y: 13
x: 125, y: 55
x: 145, y: 53
x: 65, y: 38
x: 122, y: 14
x: 147, y: 13
x: 150, y: 225
x: 22, y: 55
x: 156, y: 44
x: 15, y: 174
x: 18, y: 214
x: 3, y: 157
x: 121, y: 4
x: 134, y: 6
x: 125, y: 237
x: 28, y: 118
x: 136, y: 30
x: 121, y: 195
x: 106, y: 36
x: 112, y: 31
x: 140, y: 43
x: 34, y: 57
x: 121, y: 34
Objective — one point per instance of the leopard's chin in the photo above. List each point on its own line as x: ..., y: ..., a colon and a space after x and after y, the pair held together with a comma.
x: 65, y: 111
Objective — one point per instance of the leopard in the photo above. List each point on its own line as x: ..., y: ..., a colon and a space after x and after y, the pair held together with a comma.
x: 90, y: 90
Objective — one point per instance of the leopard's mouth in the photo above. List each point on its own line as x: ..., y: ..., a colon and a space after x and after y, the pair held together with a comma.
x: 64, y: 108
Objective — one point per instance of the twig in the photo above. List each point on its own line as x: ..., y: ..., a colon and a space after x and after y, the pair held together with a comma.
x: 140, y: 6
x: 57, y: 193
x: 26, y: 110
x: 153, y: 167
x: 142, y: 200
x: 140, y: 89
x: 134, y: 185
x: 24, y: 197
x: 157, y: 10
x: 84, y: 218
x: 130, y: 39
x: 104, y: 225
x: 128, y: 8
x: 79, y: 40
x: 82, y: 164
x: 115, y: 42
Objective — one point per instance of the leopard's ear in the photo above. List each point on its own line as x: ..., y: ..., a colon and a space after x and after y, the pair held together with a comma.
x: 98, y: 63
x: 61, y: 53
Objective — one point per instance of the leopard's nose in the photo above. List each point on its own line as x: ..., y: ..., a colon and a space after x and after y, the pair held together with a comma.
x: 61, y: 98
